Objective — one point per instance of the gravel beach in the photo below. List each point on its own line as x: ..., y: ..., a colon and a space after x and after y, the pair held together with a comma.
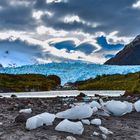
x: 12, y: 123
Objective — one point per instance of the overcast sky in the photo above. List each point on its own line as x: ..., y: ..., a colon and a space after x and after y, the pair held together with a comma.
x: 87, y: 30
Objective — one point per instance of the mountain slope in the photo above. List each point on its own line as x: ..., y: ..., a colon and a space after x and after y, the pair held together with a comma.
x: 130, y: 55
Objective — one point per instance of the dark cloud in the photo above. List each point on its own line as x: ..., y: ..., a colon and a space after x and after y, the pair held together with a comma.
x: 16, y: 17
x: 111, y: 15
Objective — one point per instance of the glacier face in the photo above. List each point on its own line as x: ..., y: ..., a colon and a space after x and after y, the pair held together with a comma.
x: 71, y: 72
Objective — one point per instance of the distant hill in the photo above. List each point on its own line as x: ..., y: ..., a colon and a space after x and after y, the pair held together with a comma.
x: 1, y: 65
x: 28, y: 82
x: 129, y: 82
x: 130, y: 55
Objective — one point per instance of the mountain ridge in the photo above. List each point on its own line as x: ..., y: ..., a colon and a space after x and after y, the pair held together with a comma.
x: 129, y: 55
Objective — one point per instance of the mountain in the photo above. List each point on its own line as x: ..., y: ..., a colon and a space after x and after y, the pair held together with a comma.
x: 130, y: 55
x: 71, y: 72
x: 1, y: 65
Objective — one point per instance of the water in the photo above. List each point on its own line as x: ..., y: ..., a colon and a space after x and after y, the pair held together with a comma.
x: 48, y: 94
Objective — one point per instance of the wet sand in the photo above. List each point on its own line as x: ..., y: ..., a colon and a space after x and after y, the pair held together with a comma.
x: 126, y: 127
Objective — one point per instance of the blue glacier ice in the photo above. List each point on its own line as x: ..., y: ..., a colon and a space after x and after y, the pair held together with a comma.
x: 71, y: 72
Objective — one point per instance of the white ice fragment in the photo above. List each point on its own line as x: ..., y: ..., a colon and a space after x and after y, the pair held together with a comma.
x: 71, y: 127
x: 34, y: 122
x: 137, y: 106
x: 96, y: 121
x: 96, y: 133
x: 70, y: 138
x: 77, y: 112
x: 102, y: 113
x: 86, y: 121
x: 95, y: 104
x: 95, y: 109
x: 105, y: 130
x: 39, y: 120
x: 104, y: 136
x: 26, y: 111
x: 129, y: 106
x: 47, y: 118
x: 117, y: 108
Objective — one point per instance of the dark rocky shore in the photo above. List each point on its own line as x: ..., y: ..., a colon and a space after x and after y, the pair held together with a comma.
x: 13, y: 127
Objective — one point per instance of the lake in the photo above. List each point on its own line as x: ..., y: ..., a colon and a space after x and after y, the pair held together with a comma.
x: 47, y: 94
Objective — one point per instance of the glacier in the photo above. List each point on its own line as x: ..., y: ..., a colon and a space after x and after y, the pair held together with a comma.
x: 71, y: 72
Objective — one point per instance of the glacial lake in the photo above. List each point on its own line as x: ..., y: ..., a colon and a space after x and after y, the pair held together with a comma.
x: 68, y: 93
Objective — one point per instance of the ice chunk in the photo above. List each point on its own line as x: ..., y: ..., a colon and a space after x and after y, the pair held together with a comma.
x: 102, y: 113
x: 47, y: 118
x: 129, y: 106
x: 71, y: 127
x: 95, y: 104
x: 96, y: 133
x: 34, y: 122
x: 86, y: 121
x: 104, y: 136
x: 116, y: 108
x: 105, y: 130
x: 77, y: 112
x: 95, y: 109
x: 70, y: 138
x: 26, y: 111
x: 137, y: 106
x: 96, y: 121
x: 39, y: 120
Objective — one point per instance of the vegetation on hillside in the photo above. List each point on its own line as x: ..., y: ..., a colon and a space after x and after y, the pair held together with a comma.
x: 129, y: 82
x: 28, y: 82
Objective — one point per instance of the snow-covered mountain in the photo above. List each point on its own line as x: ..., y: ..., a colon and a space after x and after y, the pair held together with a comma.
x: 71, y: 72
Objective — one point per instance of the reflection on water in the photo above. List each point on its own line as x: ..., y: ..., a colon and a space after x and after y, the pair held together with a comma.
x: 47, y: 94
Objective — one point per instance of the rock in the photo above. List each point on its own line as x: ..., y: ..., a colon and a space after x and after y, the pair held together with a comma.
x: 137, y: 106
x: 95, y: 104
x: 80, y: 96
x: 70, y: 138
x: 71, y: 127
x: 77, y: 112
x: 86, y: 121
x: 105, y: 130
x: 116, y: 108
x: 22, y: 118
x: 29, y: 111
x: 13, y: 96
x: 96, y: 121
